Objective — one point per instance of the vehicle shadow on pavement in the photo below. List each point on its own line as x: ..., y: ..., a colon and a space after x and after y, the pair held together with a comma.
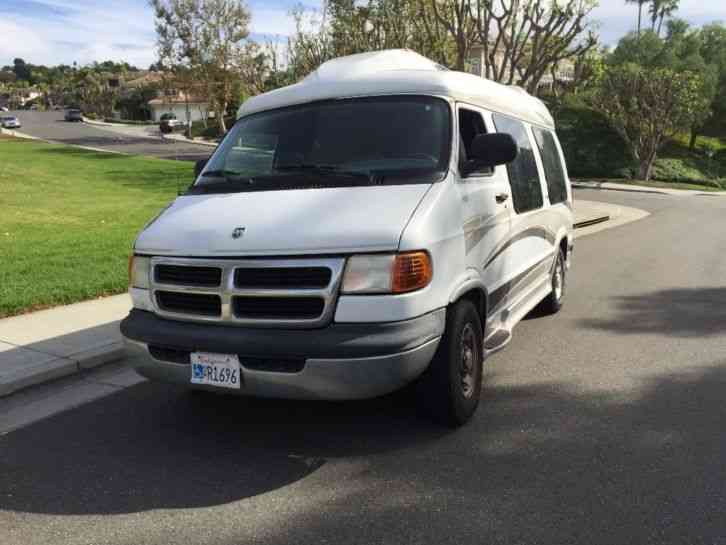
x: 686, y: 312
x: 157, y: 446
x: 539, y: 463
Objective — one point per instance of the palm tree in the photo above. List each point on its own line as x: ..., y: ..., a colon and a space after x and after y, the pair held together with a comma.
x: 640, y: 3
x: 659, y: 10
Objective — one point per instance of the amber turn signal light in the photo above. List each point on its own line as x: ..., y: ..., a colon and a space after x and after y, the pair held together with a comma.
x: 411, y: 271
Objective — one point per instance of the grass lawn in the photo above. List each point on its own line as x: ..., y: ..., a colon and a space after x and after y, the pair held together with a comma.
x: 68, y: 218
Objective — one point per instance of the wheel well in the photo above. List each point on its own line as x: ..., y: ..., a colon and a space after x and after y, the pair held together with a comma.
x: 479, y: 298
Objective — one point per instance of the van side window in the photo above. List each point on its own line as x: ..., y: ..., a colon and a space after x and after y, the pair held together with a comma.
x: 523, y: 175
x: 554, y: 173
x: 471, y: 124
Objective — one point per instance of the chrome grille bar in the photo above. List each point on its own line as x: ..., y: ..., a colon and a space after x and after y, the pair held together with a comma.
x: 227, y: 290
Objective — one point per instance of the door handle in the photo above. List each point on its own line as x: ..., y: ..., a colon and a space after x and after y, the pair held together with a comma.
x: 501, y: 197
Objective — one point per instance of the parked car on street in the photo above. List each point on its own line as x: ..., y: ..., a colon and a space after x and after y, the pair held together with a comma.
x: 169, y: 123
x: 381, y: 223
x: 4, y: 109
x: 73, y: 114
x: 10, y: 122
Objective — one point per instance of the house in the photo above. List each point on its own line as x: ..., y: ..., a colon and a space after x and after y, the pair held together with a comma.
x: 186, y: 106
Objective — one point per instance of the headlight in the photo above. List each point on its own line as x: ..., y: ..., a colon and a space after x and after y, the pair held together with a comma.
x: 139, y: 270
x: 387, y: 273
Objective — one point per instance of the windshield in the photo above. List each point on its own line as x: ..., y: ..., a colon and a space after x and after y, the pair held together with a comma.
x: 381, y: 140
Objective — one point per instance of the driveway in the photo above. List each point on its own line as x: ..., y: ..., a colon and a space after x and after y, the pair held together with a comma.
x: 51, y: 126
x: 601, y: 425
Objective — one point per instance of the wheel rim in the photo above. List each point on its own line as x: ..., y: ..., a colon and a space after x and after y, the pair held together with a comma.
x: 558, y: 279
x: 467, y: 360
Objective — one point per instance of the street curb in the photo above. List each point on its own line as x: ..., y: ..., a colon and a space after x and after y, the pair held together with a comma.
x: 591, y: 221
x: 61, y: 367
x: 101, y: 123
x: 600, y: 187
x: 47, y: 141
x: 179, y: 138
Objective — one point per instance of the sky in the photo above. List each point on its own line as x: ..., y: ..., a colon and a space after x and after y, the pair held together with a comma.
x: 65, y: 31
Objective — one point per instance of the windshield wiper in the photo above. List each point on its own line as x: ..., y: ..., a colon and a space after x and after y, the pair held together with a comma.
x: 221, y: 173
x: 321, y: 170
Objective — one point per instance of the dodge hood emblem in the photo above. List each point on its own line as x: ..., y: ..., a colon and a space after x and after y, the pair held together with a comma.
x: 238, y: 232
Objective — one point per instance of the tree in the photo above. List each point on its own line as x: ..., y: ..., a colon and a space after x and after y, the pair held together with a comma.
x: 524, y: 39
x: 22, y: 71
x: 640, y: 3
x: 456, y: 17
x: 346, y: 27
x: 647, y: 106
x: 659, y: 10
x: 712, y: 48
x: 206, y: 38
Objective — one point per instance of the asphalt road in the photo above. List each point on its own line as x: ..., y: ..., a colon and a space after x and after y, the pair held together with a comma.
x: 51, y: 126
x: 601, y: 425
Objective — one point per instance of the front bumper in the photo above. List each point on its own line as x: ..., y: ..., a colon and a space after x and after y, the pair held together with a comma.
x: 341, y: 361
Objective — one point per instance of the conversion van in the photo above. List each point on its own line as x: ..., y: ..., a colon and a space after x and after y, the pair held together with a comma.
x: 384, y: 222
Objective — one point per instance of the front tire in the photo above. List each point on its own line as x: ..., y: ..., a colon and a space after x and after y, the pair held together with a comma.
x: 450, y: 388
x: 553, y: 302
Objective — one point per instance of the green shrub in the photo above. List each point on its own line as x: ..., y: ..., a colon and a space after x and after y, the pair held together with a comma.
x: 212, y: 130
x: 679, y: 170
x: 591, y: 147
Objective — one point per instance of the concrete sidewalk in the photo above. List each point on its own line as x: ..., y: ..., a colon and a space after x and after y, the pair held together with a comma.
x: 49, y: 344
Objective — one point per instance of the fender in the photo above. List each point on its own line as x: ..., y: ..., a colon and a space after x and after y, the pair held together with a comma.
x: 471, y: 279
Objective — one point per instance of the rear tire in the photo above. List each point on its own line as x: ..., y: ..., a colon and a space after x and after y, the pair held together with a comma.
x: 553, y: 302
x: 449, y: 390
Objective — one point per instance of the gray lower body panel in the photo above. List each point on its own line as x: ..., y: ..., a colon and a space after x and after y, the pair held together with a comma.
x: 332, y: 379
x: 342, y: 361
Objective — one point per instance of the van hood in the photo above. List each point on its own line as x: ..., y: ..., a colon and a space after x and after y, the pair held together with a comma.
x: 287, y: 222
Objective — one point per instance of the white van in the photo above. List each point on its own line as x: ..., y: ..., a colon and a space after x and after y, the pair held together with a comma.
x: 381, y: 223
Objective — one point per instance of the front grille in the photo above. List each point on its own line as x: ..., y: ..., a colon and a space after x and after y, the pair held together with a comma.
x: 188, y: 276
x: 299, y: 292
x: 287, y: 278
x: 189, y: 303
x: 278, y: 308
x: 171, y: 355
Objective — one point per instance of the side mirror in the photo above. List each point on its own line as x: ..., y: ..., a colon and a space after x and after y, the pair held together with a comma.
x: 199, y: 166
x: 490, y: 150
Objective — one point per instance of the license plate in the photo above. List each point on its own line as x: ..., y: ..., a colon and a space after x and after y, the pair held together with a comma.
x: 221, y: 370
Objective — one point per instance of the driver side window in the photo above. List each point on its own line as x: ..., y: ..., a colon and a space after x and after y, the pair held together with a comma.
x: 471, y: 124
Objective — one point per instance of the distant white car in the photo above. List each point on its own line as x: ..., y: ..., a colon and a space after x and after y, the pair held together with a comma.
x: 10, y: 122
x: 4, y: 109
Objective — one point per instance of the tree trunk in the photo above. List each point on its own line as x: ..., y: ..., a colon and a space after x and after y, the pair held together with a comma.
x: 694, y: 137
x: 219, y: 111
x: 460, y: 55
x: 640, y: 16
x: 646, y: 168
